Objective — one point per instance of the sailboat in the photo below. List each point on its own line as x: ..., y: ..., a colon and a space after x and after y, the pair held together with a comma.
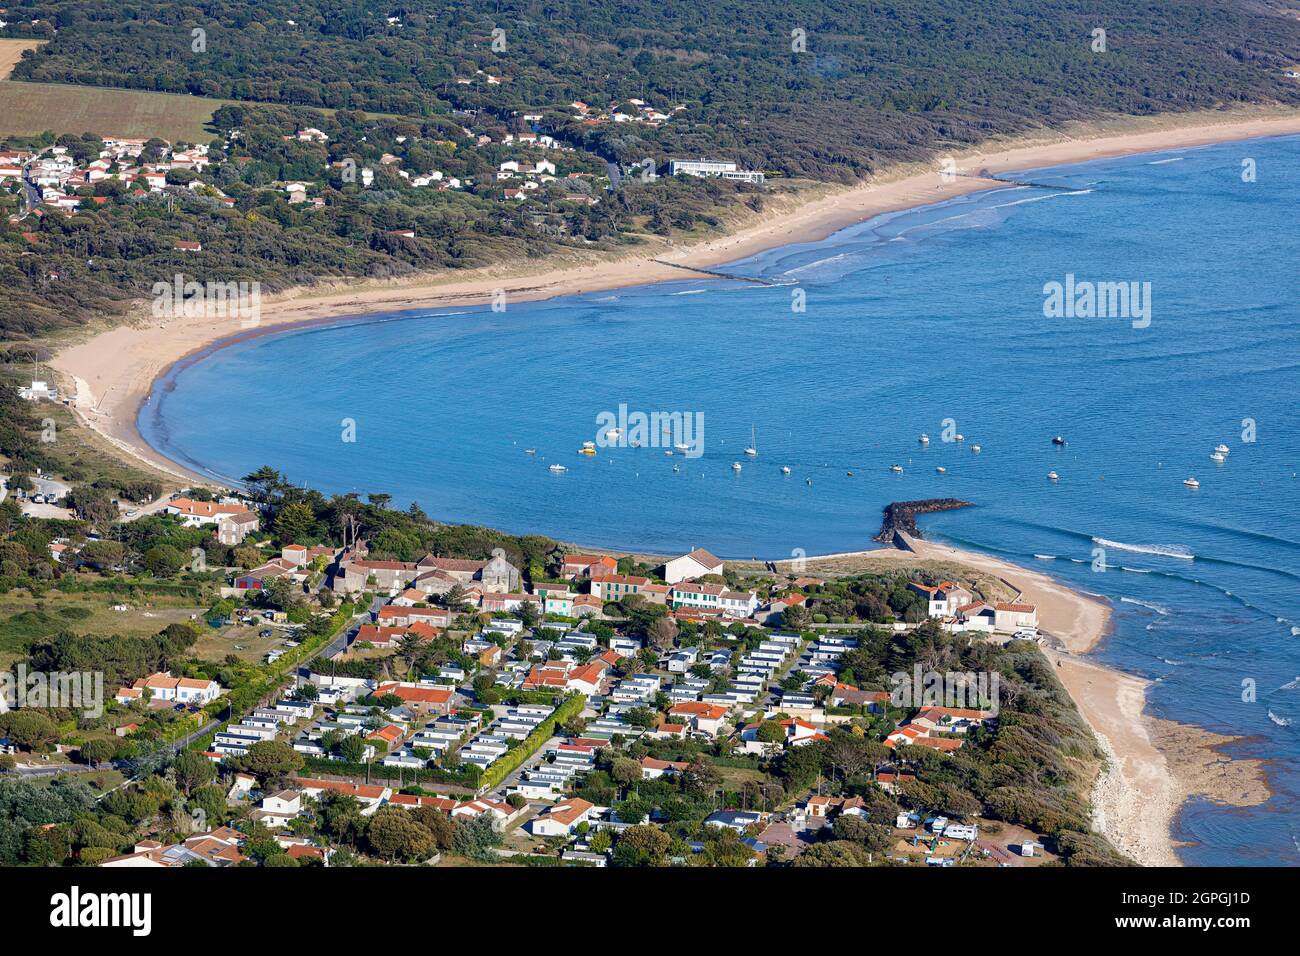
x: 752, y: 450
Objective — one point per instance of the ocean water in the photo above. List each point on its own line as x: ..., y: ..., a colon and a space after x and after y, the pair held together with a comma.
x: 929, y: 321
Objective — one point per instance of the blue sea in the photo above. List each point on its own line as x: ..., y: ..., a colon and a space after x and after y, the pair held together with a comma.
x: 928, y: 321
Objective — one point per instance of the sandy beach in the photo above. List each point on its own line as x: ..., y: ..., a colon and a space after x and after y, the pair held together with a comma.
x: 113, y: 369
x: 1137, y: 796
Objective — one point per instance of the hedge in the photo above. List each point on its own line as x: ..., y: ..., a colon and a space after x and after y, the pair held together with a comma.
x: 508, y: 762
x: 466, y: 776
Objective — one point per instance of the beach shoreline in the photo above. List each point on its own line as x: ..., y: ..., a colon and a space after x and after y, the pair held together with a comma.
x: 114, y: 371
x: 1138, y: 793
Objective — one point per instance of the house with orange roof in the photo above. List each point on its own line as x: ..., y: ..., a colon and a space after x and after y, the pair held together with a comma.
x: 163, y: 687
x: 370, y: 796
x: 389, y: 736
x: 396, y: 615
x: 702, y: 718
x: 614, y: 587
x: 577, y: 566
x: 563, y: 818
x: 1011, y: 616
x: 424, y: 698
x: 798, y: 733
x: 942, y: 599
x: 195, y: 513
x: 667, y: 731
x: 380, y: 636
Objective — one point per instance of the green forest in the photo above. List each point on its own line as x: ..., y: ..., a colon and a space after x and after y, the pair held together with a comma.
x: 828, y: 92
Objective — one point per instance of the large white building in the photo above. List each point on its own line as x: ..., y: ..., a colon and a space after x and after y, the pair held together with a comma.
x: 714, y: 169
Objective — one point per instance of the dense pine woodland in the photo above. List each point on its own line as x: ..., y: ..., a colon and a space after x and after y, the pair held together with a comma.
x: 825, y: 91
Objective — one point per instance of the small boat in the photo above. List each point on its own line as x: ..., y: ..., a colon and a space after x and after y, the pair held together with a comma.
x: 1058, y: 440
x: 960, y: 437
x: 614, y: 433
x: 849, y: 473
x: 975, y: 449
x: 1052, y: 476
x: 924, y: 439
x: 636, y: 444
x: 682, y: 446
x: 558, y: 468
x: 752, y: 450
x: 676, y: 468
x: 530, y: 451
x: 586, y: 450
x: 896, y: 468
x: 941, y: 470
x: 808, y: 481
x: 1222, y: 449
x: 1191, y: 483
x: 669, y: 452
x: 785, y: 469
x: 735, y: 466
x: 1218, y: 456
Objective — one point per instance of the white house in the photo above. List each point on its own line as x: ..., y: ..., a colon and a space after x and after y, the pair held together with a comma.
x: 942, y: 599
x: 1011, y: 617
x: 562, y: 818
x: 696, y: 564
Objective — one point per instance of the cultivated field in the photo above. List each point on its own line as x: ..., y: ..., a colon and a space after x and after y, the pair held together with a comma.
x: 11, y: 51
x: 28, y: 109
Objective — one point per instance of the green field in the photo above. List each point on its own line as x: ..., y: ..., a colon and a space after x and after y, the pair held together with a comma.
x: 28, y: 109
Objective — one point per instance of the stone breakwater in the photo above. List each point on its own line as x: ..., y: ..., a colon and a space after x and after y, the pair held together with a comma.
x: 900, y: 516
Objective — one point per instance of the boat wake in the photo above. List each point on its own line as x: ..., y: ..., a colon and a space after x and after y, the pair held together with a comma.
x: 1280, y: 721
x: 1165, y: 550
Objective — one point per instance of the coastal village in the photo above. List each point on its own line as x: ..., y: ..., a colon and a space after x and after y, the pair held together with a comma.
x: 555, y: 707
x: 73, y: 175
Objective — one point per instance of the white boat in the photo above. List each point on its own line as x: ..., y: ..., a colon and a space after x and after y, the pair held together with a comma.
x: 752, y: 450
x: 530, y: 451
x: 589, y: 444
x: 614, y: 433
x: 682, y: 446
x: 960, y: 437
x: 941, y: 470
x: 1222, y: 449
x: 896, y: 468
x: 975, y: 449
x: 676, y: 468
x: 1218, y: 456
x: 924, y: 439
x: 785, y: 469
x: 1058, y: 440
x: 558, y: 468
x: 735, y: 466
x: 1052, y: 476
x: 669, y: 452
x: 1191, y: 483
